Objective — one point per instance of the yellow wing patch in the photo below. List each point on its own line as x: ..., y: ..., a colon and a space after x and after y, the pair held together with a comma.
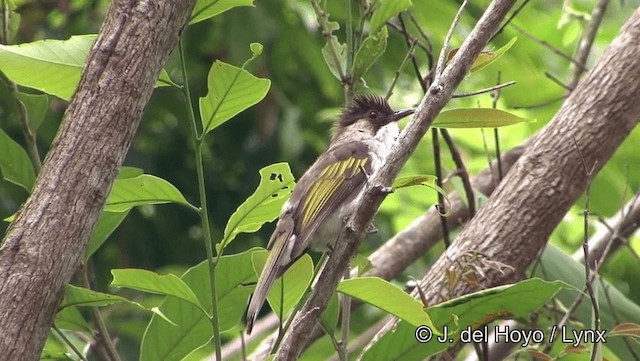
x: 322, y: 189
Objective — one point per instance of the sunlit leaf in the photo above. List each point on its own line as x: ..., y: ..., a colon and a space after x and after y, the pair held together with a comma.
x: 472, y: 310
x: 486, y: 57
x: 51, y: 66
x: 144, y: 189
x: 414, y: 180
x: 151, y: 282
x: 234, y: 273
x: 231, y: 90
x: 15, y: 164
x: 276, y: 184
x: 387, y: 297
x: 476, y: 118
x: 205, y: 9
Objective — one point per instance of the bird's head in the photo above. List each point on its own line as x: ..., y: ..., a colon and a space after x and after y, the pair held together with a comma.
x: 366, y: 114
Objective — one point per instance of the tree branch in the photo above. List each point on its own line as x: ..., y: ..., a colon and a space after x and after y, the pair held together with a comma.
x: 438, y: 95
x: 45, y: 244
x: 525, y: 208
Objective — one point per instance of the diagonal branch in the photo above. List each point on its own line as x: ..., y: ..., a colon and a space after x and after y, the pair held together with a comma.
x: 525, y: 208
x: 438, y: 95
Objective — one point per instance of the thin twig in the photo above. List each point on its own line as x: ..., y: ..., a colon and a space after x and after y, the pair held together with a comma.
x: 510, y: 19
x: 109, y: 347
x: 447, y: 42
x: 540, y: 105
x: 484, y: 91
x: 496, y: 133
x: 550, y: 47
x: 68, y: 342
x: 558, y: 81
x: 401, y: 68
x: 462, y: 172
x: 588, y: 36
x: 326, y: 32
x: 345, y: 300
x: 437, y: 161
x: 414, y: 62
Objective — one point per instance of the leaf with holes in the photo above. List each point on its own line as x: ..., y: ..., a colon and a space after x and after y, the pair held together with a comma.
x: 276, y: 184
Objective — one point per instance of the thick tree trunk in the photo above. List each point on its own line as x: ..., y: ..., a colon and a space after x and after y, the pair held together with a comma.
x: 516, y: 222
x: 44, y: 245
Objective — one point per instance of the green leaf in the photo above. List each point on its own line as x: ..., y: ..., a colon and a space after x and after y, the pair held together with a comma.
x: 78, y: 296
x: 162, y: 341
x: 129, y: 172
x: 151, y: 282
x: 414, y: 180
x: 144, y: 189
x: 487, y: 57
x: 231, y: 90
x: 425, y: 180
x: 476, y: 118
x: 370, y: 49
x: 385, y: 10
x: 264, y: 205
x: 69, y: 318
x: 51, y: 66
x: 472, y: 310
x: 556, y: 264
x: 107, y: 223
x: 387, y: 297
x: 287, y: 290
x: 15, y: 164
x: 36, y: 106
x: 330, y: 315
x: 165, y: 80
x: 205, y: 9
x: 336, y: 59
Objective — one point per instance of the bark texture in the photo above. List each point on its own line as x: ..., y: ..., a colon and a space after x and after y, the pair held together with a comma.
x: 517, y: 220
x: 44, y: 245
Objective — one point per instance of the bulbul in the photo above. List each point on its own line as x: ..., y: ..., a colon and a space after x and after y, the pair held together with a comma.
x: 326, y: 194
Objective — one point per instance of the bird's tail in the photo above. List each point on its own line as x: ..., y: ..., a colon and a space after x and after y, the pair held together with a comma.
x: 271, y: 271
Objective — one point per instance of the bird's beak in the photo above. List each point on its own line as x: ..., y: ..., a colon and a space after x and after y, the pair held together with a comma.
x: 401, y: 114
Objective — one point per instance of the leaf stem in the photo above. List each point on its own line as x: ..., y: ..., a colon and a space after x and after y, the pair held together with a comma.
x: 204, y: 214
x: 69, y: 343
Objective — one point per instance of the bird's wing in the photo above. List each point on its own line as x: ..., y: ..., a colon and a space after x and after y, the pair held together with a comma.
x: 335, y: 178
x: 338, y: 178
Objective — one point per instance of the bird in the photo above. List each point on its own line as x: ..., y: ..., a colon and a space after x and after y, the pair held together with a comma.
x: 327, y: 193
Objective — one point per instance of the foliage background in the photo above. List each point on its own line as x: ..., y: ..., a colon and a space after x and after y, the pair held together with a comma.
x: 292, y: 124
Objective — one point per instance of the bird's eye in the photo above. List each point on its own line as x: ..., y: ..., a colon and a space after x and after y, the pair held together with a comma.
x: 373, y: 114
